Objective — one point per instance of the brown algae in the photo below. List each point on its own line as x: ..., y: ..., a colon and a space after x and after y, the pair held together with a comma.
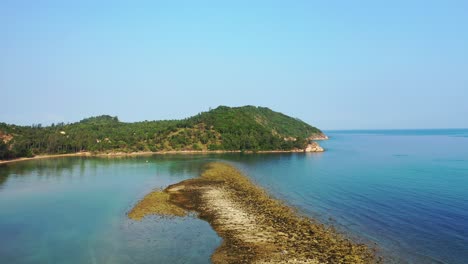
x: 157, y: 202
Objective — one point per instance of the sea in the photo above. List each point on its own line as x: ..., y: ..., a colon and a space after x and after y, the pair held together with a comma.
x: 402, y: 192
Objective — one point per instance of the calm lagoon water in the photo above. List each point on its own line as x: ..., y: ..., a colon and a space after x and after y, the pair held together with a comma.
x: 407, y: 191
x: 73, y: 210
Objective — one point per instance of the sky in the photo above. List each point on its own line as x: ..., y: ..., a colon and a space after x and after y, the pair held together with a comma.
x: 334, y: 64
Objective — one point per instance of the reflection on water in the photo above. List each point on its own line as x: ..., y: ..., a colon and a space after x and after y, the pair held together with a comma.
x: 170, y: 164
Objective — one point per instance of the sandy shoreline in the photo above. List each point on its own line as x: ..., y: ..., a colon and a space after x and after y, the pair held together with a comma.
x: 81, y: 154
x: 255, y: 227
x: 142, y: 153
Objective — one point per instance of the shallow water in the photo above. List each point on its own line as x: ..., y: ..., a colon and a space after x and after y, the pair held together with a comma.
x: 73, y: 210
x: 407, y: 191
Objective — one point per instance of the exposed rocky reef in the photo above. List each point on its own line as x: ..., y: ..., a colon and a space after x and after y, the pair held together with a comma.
x: 255, y: 227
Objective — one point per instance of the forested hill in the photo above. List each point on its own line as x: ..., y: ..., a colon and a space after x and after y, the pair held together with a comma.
x: 224, y: 128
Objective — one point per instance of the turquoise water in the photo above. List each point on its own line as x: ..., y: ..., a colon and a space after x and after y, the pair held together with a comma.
x: 406, y: 191
x: 73, y: 210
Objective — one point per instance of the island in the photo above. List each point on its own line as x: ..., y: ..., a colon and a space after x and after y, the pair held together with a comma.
x: 223, y: 129
x: 255, y: 227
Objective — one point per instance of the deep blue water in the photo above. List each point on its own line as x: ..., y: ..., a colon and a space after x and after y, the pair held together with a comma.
x: 405, y: 190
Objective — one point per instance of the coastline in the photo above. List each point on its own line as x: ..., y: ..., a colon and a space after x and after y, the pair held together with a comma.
x: 80, y: 154
x: 147, y: 153
x: 255, y: 228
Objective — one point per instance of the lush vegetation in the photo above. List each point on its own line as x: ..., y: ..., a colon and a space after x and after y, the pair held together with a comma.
x: 224, y: 128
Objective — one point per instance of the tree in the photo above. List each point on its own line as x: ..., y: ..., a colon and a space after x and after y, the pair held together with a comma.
x: 4, y: 151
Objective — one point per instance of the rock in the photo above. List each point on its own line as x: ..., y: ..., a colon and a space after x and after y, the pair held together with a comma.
x: 319, y: 136
x: 5, y: 137
x: 313, y: 147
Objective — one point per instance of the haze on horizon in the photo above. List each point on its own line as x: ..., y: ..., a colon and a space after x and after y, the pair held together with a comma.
x: 333, y: 64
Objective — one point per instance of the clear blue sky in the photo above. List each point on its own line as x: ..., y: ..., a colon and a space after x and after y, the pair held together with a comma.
x: 334, y: 64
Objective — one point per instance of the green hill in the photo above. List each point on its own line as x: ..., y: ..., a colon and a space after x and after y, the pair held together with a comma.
x: 224, y: 128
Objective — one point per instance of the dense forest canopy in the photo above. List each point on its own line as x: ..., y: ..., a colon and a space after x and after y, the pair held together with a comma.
x: 224, y: 128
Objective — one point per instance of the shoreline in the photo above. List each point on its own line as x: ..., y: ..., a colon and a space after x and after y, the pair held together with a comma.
x: 147, y: 153
x: 255, y: 228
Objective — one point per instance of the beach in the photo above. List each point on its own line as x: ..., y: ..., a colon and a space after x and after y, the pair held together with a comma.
x: 148, y: 153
